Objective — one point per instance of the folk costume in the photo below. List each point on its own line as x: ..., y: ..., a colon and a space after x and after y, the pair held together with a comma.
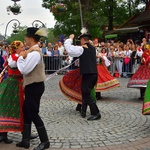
x: 105, y: 80
x: 146, y: 102
x: 32, y: 68
x: 70, y: 84
x: 141, y: 76
x: 89, y: 74
x: 11, y: 97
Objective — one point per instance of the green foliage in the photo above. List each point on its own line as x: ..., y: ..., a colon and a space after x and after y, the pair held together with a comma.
x: 20, y: 35
x: 95, y: 14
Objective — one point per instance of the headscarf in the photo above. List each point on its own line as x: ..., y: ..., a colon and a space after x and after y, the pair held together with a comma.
x: 14, y: 46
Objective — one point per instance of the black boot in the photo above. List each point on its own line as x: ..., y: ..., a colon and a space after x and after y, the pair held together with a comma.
x: 32, y: 136
x: 142, y: 92
x: 25, y: 143
x: 83, y: 110
x: 95, y: 114
x: 1, y: 138
x: 78, y: 108
x: 43, y: 138
x: 98, y: 95
x: 5, y: 138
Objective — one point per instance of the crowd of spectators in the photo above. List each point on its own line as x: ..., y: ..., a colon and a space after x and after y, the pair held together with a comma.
x: 125, y: 58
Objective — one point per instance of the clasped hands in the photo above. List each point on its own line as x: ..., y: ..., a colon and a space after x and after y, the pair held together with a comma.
x: 25, y: 53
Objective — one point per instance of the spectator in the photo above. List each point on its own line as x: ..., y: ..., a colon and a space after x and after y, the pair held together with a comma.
x: 127, y: 55
x: 119, y: 59
x: 56, y: 57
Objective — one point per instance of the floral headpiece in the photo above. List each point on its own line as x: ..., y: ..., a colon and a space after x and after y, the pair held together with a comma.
x: 14, y: 46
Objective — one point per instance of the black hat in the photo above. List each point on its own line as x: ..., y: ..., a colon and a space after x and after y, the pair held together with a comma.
x: 84, y: 33
x: 31, y: 31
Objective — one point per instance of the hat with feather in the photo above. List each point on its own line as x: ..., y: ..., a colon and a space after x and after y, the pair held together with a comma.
x: 32, y: 32
x: 84, y: 33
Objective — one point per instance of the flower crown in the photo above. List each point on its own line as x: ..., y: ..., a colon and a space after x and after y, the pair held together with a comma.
x: 14, y: 46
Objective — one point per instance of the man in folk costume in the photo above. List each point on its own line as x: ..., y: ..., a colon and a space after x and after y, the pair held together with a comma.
x: 32, y: 67
x: 86, y: 54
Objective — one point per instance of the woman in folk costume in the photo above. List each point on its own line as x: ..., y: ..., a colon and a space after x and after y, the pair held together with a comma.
x: 11, y: 95
x: 142, y: 75
x: 146, y: 102
x: 105, y: 80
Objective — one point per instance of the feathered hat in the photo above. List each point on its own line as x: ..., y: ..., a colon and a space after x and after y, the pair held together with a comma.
x: 32, y: 32
x: 84, y: 32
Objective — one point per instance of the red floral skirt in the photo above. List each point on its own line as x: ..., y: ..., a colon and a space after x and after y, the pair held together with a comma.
x: 140, y: 77
x: 70, y: 84
x: 105, y: 80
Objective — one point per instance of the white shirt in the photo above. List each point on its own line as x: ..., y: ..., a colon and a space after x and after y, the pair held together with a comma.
x: 61, y: 50
x: 26, y: 65
x: 11, y: 62
x: 127, y: 53
x: 74, y: 51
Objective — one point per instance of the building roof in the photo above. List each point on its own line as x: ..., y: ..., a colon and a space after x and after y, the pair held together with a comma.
x: 143, y: 16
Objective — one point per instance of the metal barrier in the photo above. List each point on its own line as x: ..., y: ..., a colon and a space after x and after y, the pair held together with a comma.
x: 54, y: 63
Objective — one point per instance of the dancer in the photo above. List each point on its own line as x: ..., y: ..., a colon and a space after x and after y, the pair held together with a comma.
x: 105, y: 80
x: 146, y: 102
x: 141, y: 76
x: 32, y: 67
x: 89, y: 74
x: 11, y: 97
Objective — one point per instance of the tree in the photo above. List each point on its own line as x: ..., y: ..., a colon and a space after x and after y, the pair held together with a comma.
x: 96, y: 13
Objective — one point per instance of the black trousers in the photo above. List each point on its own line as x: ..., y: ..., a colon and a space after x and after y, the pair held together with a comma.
x: 88, y: 83
x: 33, y: 93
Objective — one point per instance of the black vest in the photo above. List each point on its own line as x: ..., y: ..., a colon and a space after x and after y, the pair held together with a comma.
x: 88, y: 63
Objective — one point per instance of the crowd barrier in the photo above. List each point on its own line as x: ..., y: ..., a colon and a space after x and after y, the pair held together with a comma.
x: 54, y: 63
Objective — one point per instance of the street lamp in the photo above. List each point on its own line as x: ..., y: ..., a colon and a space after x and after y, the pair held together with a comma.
x: 39, y: 24
x: 15, y: 9
x: 36, y: 24
x: 15, y: 26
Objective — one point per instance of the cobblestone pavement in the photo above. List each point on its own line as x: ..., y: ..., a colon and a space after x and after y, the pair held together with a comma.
x: 122, y: 126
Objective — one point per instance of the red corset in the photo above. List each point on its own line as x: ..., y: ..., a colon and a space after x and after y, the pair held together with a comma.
x: 13, y: 71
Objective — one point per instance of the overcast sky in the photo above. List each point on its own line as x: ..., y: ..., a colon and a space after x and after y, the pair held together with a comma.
x: 31, y: 10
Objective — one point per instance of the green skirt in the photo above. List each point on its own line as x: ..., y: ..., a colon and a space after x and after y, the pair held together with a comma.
x: 146, y: 102
x: 11, y: 102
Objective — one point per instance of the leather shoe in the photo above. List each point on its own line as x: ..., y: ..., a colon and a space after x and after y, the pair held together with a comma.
x: 94, y: 117
x: 24, y: 144
x: 42, y: 146
x: 6, y: 140
x: 78, y: 108
x: 99, y: 97
x: 83, y: 114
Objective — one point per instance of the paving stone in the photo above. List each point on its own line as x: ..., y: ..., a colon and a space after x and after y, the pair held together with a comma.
x: 122, y: 121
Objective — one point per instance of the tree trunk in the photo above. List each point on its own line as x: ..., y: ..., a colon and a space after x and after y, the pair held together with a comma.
x: 147, y: 4
x: 110, y: 15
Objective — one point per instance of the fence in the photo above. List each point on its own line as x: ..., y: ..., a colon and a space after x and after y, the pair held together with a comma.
x: 54, y: 63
